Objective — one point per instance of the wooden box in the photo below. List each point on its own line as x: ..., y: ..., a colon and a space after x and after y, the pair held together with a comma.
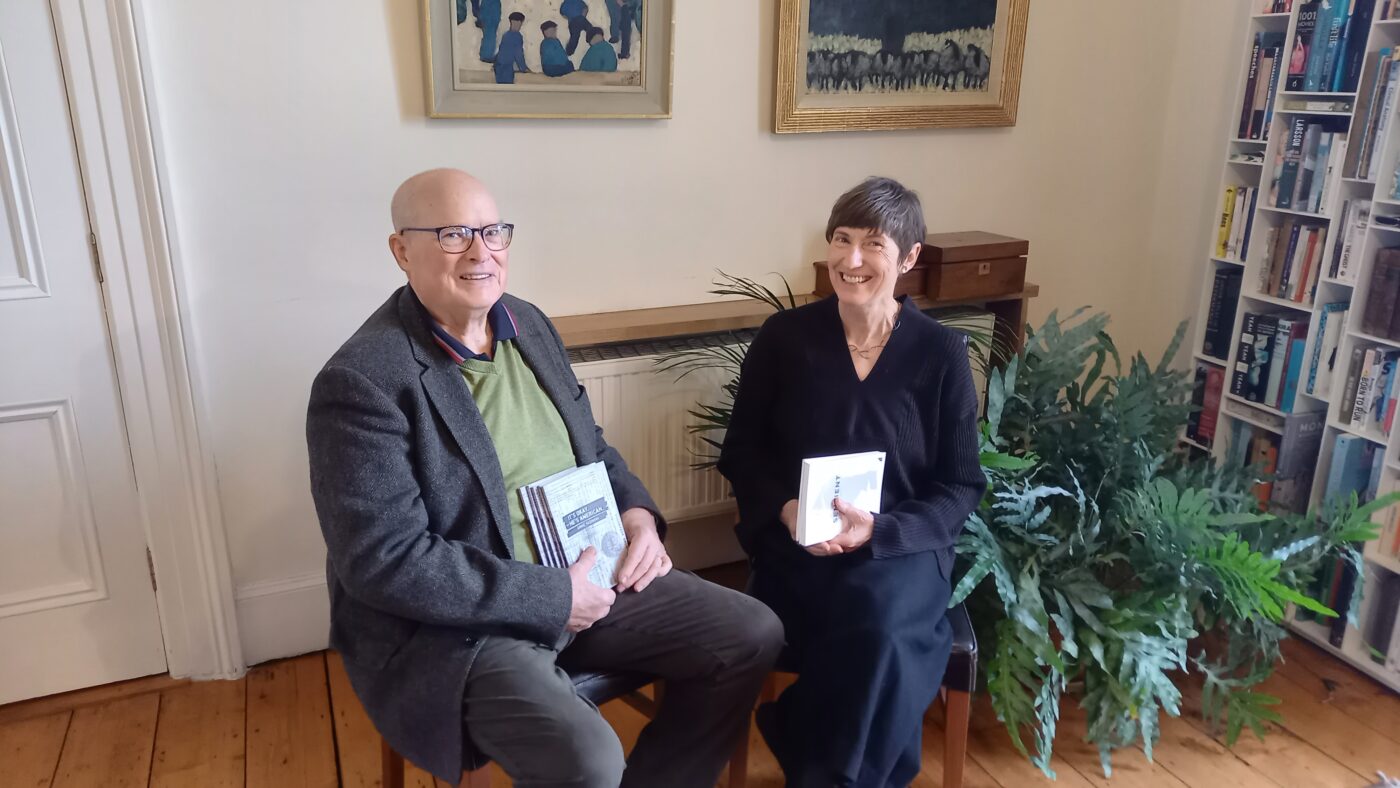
x: 912, y: 282
x: 974, y: 264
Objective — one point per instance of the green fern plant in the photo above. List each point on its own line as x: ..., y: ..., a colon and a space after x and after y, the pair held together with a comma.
x: 1110, y: 553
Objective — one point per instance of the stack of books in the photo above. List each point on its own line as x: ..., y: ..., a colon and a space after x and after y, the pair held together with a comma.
x: 1328, y: 45
x: 1220, y: 320
x: 1368, y: 401
x: 1269, y: 360
x: 1257, y: 109
x: 1292, y: 261
x: 1355, y: 218
x: 1236, y: 221
x: 1374, y: 111
x: 572, y: 511
x: 1330, y: 327
x: 1381, y: 318
x: 1303, y: 170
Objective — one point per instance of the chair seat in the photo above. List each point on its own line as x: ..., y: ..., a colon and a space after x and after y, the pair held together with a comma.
x: 599, y: 687
x: 961, y: 673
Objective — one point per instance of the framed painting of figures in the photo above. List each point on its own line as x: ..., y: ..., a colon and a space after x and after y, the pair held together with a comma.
x: 548, y: 58
x: 898, y: 64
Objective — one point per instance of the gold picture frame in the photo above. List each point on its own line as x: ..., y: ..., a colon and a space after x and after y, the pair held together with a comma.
x: 826, y: 89
x: 455, y: 86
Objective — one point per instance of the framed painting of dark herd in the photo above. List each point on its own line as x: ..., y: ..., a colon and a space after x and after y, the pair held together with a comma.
x: 898, y: 64
x: 548, y: 58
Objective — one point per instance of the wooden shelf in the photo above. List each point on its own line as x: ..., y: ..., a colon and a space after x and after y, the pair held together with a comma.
x: 635, y: 325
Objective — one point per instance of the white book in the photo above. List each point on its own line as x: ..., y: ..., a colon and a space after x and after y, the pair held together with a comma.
x: 572, y: 511
x: 856, y: 479
x: 1331, y: 339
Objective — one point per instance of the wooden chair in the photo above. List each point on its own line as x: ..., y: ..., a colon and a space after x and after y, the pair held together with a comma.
x: 598, y: 687
x: 959, y: 681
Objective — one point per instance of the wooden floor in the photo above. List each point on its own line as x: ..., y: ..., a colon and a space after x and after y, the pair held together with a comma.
x: 296, y: 723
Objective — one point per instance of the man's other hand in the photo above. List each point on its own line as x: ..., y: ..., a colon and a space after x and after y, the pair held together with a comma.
x: 590, y: 603
x: 646, y: 557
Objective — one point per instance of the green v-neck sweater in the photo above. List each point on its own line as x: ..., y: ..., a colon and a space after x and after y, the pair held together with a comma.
x: 530, y: 439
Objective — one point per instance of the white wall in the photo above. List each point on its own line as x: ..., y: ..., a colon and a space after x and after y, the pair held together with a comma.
x: 285, y: 126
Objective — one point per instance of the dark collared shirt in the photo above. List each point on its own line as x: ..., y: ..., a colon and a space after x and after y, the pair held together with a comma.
x: 503, y: 328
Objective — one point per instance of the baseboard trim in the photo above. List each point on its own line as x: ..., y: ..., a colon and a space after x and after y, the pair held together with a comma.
x: 283, y: 618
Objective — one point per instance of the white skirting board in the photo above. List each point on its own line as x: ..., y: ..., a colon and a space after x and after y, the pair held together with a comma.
x: 284, y: 618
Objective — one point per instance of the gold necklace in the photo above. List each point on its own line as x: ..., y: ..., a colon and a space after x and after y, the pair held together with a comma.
x: 865, y: 352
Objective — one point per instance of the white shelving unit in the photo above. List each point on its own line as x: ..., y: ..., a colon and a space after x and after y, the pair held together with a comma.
x: 1383, y: 33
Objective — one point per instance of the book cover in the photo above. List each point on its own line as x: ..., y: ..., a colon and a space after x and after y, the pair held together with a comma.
x: 1265, y: 329
x: 1274, y: 48
x: 571, y: 511
x: 1354, y: 46
x: 1224, y: 299
x: 1364, y: 377
x: 1302, y: 45
x: 1332, y: 49
x: 1227, y: 211
x: 1380, y: 624
x: 856, y: 478
x: 1297, y: 460
x: 1392, y: 81
x: 1346, y: 266
x: 1358, y: 354
x: 1319, y: 365
x: 1244, y: 354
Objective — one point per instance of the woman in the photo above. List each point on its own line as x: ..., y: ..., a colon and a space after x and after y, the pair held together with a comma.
x: 864, y: 612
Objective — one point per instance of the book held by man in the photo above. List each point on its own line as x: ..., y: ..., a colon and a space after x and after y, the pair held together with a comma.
x: 856, y: 479
x: 572, y: 511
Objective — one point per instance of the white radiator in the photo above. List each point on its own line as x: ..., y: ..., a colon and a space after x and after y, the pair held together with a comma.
x: 644, y: 416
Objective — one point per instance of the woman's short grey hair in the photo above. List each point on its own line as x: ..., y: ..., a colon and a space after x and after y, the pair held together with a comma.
x: 884, y: 205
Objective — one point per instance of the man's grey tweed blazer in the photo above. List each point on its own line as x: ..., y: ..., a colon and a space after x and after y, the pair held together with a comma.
x: 414, y: 511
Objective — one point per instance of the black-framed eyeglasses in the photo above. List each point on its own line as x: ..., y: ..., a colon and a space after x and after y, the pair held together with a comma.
x: 457, y: 238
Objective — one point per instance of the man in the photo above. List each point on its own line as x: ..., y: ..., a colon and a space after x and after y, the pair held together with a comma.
x: 576, y: 11
x: 600, y: 55
x: 554, y: 61
x: 510, y: 57
x: 630, y: 12
x: 420, y: 431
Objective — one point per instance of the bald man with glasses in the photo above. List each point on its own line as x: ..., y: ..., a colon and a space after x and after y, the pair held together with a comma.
x: 420, y: 431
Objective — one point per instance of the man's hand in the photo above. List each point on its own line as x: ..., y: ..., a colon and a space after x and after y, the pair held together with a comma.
x: 646, y: 557
x: 590, y: 603
x: 788, y: 516
x: 857, y: 526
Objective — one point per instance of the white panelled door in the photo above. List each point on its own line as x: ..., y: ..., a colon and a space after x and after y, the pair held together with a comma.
x: 76, y: 603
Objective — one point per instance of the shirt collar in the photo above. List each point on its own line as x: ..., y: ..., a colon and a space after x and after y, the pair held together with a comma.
x: 503, y: 328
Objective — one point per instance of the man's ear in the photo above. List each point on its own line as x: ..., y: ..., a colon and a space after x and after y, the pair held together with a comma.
x: 399, y: 251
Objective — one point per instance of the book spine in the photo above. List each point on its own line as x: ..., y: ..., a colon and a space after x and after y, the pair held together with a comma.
x: 1291, y: 376
x: 1308, y: 167
x: 1302, y: 44
x: 1251, y: 85
x: 1285, y: 272
x: 1217, y: 297
x: 1210, y: 413
x: 1275, y: 66
x: 1356, y: 403
x: 1278, y: 362
x: 1244, y: 355
x: 1317, y: 350
x: 1333, y: 49
x: 1292, y: 161
x: 1264, y: 332
x: 1383, y: 120
x: 1249, y: 222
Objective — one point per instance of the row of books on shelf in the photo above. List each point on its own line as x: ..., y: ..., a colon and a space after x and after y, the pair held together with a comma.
x: 1375, y: 102
x: 1205, y: 399
x: 1385, y: 9
x: 1292, y: 260
x: 1356, y: 469
x: 1328, y: 44
x: 1257, y: 109
x: 1220, y: 318
x: 1236, y: 221
x: 1381, y: 317
x: 1269, y: 359
x: 1355, y: 217
x: 1368, y: 401
x: 1303, y: 169
x: 1284, y: 460
x: 1275, y: 6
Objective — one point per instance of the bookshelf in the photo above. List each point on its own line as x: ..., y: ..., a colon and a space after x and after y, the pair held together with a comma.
x: 1254, y: 254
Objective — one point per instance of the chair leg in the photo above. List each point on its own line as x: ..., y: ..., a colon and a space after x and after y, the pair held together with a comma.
x: 477, y: 778
x: 958, y: 716
x: 391, y: 765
